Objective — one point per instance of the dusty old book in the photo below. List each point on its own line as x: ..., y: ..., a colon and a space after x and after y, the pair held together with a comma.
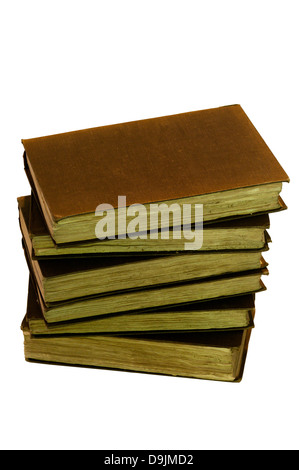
x: 222, y: 314
x: 212, y: 356
x: 70, y: 278
x: 249, y: 233
x: 153, y: 298
x: 215, y: 158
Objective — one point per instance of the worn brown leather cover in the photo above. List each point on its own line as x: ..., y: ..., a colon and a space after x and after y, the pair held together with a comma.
x: 151, y: 160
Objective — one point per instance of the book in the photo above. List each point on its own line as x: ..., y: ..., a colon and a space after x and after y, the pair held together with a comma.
x: 214, y: 158
x: 223, y: 314
x: 151, y: 299
x: 250, y: 233
x: 66, y: 279
x: 213, y: 356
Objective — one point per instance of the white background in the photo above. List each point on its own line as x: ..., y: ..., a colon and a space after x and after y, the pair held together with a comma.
x: 68, y: 65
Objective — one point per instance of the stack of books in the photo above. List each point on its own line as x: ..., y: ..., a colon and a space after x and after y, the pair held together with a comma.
x: 145, y: 243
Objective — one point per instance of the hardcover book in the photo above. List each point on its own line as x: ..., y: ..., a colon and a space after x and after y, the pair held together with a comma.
x: 215, y: 158
x: 211, y: 356
x: 249, y: 233
x: 153, y: 298
x: 223, y: 314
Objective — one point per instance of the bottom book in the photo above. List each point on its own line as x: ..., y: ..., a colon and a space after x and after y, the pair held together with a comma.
x: 212, y: 356
x: 202, y: 355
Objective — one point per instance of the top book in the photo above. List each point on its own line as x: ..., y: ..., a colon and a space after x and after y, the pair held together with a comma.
x: 213, y: 157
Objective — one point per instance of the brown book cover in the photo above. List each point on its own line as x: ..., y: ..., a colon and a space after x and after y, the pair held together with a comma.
x: 152, y: 160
